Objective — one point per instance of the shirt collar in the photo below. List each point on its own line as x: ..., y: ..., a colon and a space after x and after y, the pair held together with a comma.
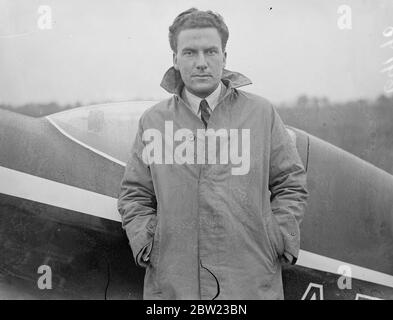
x: 194, y: 100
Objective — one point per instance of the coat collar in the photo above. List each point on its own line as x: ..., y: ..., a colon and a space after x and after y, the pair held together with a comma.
x: 173, y: 83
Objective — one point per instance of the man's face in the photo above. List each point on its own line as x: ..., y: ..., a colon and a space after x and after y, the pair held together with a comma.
x: 200, y: 60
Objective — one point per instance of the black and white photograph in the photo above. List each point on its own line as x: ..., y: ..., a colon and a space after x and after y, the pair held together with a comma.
x: 196, y: 150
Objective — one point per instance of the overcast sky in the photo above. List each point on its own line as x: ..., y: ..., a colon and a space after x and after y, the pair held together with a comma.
x: 119, y: 50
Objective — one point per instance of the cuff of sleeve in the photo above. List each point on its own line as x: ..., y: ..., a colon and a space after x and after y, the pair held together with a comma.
x: 290, y: 258
x: 292, y: 243
x: 141, y: 244
x: 138, y: 246
x: 143, y: 256
x: 146, y: 251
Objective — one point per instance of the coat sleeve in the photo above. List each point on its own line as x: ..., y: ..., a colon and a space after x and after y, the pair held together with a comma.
x: 137, y: 202
x: 287, y: 183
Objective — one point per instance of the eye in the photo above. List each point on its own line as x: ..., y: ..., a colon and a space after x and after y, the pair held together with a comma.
x: 187, y: 53
x: 211, y: 51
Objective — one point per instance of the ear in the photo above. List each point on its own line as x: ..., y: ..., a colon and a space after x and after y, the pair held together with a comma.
x: 225, y: 59
x: 175, y: 65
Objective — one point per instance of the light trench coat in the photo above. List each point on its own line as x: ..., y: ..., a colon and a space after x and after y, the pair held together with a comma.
x: 210, y: 233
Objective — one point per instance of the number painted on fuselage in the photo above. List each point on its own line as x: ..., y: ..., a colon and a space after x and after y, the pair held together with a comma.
x: 314, y: 291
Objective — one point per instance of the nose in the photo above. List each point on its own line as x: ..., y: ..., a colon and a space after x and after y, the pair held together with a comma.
x: 201, y: 63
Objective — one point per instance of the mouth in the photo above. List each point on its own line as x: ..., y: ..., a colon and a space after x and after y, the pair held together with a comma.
x: 202, y: 76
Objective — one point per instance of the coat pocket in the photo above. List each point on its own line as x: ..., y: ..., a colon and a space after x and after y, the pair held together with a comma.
x: 274, y: 235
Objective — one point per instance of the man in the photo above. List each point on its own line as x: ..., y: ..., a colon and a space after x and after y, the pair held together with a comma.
x: 203, y: 226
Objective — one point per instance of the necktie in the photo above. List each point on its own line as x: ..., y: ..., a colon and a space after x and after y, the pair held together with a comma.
x: 205, y: 112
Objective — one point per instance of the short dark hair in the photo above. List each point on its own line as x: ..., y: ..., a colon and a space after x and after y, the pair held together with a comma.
x: 196, y: 19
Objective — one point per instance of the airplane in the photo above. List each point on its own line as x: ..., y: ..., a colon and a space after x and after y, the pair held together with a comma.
x: 61, y: 235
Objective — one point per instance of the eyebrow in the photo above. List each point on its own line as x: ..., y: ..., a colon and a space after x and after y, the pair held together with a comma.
x: 193, y: 50
x: 188, y: 49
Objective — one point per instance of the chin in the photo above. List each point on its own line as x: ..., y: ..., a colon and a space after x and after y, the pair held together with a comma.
x: 203, y: 90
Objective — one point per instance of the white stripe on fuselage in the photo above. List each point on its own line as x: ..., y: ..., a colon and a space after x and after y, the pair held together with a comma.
x: 26, y: 186
x: 322, y: 263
